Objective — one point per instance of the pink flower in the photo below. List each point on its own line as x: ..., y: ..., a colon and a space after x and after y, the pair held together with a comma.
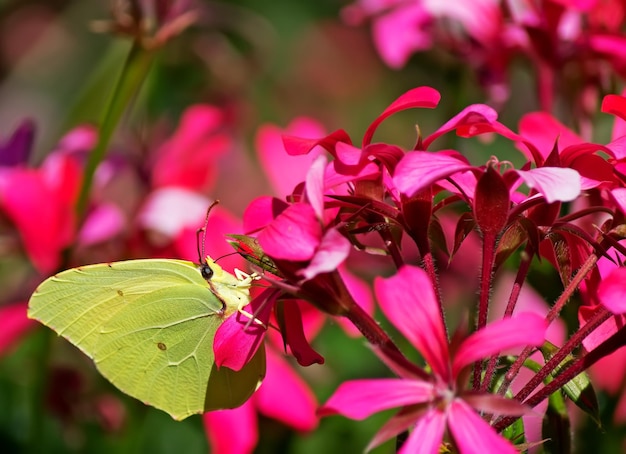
x: 430, y: 403
x: 40, y: 203
x: 15, y: 325
x: 189, y: 158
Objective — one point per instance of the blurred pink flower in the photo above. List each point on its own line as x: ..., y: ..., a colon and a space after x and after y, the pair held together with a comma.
x: 430, y: 405
x: 15, y: 324
x: 40, y: 202
x: 283, y: 171
x: 189, y: 158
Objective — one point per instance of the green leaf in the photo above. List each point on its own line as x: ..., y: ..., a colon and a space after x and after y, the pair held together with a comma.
x: 579, y: 389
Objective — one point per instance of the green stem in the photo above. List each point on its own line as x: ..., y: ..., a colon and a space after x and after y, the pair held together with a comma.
x: 41, y: 360
x: 128, y: 84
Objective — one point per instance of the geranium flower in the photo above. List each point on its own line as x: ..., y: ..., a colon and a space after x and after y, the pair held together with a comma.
x: 40, y: 203
x: 431, y: 402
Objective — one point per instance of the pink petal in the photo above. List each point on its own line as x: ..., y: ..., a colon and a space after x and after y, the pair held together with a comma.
x: 427, y: 434
x: 295, y: 338
x: 614, y: 105
x: 523, y: 329
x: 420, y: 169
x: 495, y: 404
x: 15, y: 325
x: 335, y: 176
x: 285, y: 396
x: 408, y: 301
x: 170, y: 210
x: 358, y: 399
x: 472, y: 434
x: 80, y: 138
x: 348, y: 154
x: 261, y: 212
x: 315, y: 185
x: 543, y: 130
x: 402, y: 32
x: 425, y: 97
x: 189, y: 158
x: 554, y: 183
x: 476, y: 113
x: 232, y: 431
x: 604, y: 331
x: 237, y: 340
x: 295, y: 234
x: 612, y: 45
x: 40, y: 202
x: 295, y: 146
x: 103, y: 223
x: 283, y: 170
x: 612, y: 291
x: 332, y: 251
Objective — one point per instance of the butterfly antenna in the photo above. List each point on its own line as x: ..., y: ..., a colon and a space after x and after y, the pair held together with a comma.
x: 201, y: 234
x: 224, y: 256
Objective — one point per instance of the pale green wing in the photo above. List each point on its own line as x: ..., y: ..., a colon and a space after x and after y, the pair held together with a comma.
x: 149, y: 326
x: 77, y: 302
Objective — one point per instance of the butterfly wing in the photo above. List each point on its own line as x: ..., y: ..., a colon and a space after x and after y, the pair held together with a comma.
x: 149, y: 326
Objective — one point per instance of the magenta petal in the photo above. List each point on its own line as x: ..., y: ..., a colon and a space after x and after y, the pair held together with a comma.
x: 295, y: 234
x: 612, y: 291
x: 358, y: 399
x: 520, y: 330
x: 285, y: 170
x: 232, y: 431
x: 188, y: 158
x: 418, y: 170
x: 615, y: 105
x: 261, y: 212
x: 285, y: 396
x: 472, y: 434
x: 401, y: 32
x: 408, y: 300
x: 236, y: 341
x: 315, y: 185
x: 543, y: 130
x: 103, y: 223
x: 32, y: 198
x: 425, y: 97
x: 15, y: 325
x: 331, y: 253
x: 295, y: 338
x: 496, y: 404
x: 619, y: 196
x: 427, y: 434
x: 555, y: 183
x: 476, y: 113
x: 295, y: 146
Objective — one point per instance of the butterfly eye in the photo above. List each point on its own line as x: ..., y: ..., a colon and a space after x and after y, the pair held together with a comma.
x: 206, y: 271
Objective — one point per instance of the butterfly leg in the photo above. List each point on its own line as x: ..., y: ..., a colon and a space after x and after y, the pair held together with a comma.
x: 245, y: 280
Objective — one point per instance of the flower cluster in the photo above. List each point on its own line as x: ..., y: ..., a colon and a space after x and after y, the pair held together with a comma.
x: 422, y: 206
